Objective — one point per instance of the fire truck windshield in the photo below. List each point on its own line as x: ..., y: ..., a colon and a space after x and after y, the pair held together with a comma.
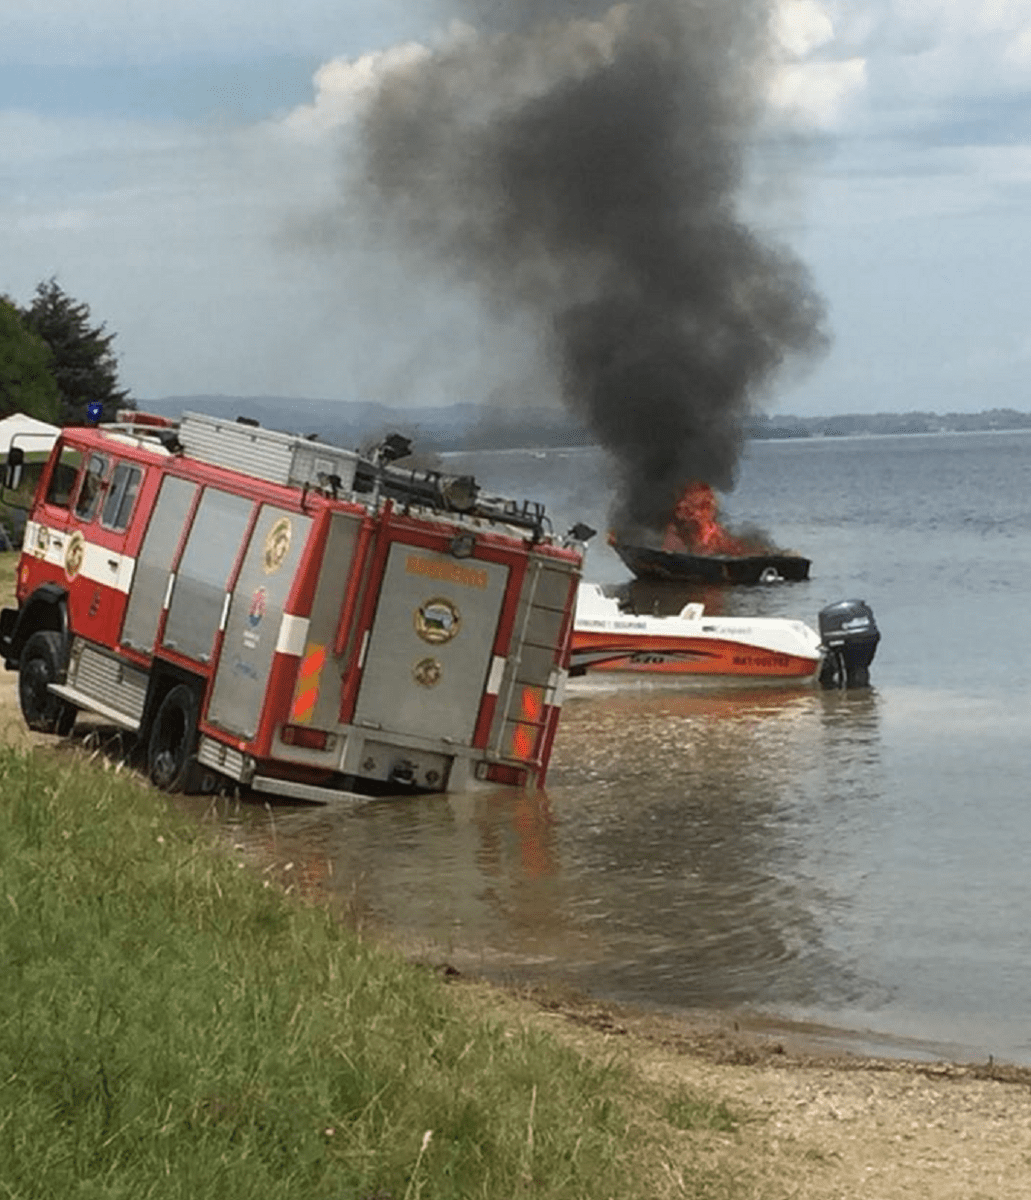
x: 62, y: 481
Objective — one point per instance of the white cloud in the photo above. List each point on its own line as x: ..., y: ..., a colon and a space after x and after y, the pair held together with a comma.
x: 814, y: 81
x: 533, y: 62
x: 801, y: 26
x: 816, y: 95
x: 809, y: 87
x: 343, y: 86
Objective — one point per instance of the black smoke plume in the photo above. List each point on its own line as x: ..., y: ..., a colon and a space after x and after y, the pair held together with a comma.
x: 587, y: 167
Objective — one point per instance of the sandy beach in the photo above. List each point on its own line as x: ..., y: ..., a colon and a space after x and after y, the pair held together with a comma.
x: 814, y: 1124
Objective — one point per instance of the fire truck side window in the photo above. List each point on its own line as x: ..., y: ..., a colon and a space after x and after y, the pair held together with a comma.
x: 200, y: 585
x: 91, y: 487
x: 150, y: 580
x: 62, y: 481
x: 125, y: 483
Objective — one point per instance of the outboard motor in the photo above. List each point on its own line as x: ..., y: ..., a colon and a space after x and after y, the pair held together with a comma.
x: 849, y: 636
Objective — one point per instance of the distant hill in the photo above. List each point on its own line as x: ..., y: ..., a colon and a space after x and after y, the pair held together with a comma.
x: 867, y: 424
x: 479, y: 427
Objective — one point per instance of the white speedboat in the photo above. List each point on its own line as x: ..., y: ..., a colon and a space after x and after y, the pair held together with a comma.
x: 606, y: 639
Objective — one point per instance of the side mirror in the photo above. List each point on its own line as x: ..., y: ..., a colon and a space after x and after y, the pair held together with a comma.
x: 13, y: 471
x: 581, y: 532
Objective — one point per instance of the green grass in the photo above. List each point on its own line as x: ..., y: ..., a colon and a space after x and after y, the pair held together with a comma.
x: 686, y: 1111
x: 170, y: 1026
x: 8, y: 569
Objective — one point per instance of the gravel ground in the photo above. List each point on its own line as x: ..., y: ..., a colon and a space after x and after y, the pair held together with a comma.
x: 815, y: 1124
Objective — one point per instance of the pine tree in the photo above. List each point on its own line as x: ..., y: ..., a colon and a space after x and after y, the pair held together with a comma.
x: 26, y: 382
x: 82, y: 361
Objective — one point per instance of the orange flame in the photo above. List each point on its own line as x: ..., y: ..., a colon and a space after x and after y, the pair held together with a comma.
x: 695, y: 527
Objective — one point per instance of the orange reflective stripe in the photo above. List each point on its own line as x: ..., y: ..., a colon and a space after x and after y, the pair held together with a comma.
x: 313, y: 663
x: 304, y: 706
x: 531, y: 702
x: 307, y: 692
x: 527, y: 722
x: 524, y: 737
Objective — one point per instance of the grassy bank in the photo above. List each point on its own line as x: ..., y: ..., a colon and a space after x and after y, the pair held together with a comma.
x: 170, y: 1026
x: 8, y: 567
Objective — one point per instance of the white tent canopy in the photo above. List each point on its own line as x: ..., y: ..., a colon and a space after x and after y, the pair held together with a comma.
x: 33, y: 436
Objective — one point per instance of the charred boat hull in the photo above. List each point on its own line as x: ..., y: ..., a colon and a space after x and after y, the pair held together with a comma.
x: 713, y: 568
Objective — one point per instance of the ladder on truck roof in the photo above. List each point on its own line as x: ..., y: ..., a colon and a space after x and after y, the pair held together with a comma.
x: 295, y: 460
x: 284, y: 458
x: 289, y: 459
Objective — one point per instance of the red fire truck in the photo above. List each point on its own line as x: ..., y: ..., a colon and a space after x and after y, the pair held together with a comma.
x: 303, y: 620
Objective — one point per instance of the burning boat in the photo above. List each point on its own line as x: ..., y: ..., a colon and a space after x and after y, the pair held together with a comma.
x: 697, y: 549
x: 767, y: 567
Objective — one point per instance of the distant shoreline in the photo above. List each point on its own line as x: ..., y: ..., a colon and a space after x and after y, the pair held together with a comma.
x: 816, y: 437
x: 468, y: 427
x: 995, y: 420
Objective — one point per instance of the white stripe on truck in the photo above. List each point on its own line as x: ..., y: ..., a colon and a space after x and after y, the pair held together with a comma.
x: 293, y: 633
x: 99, y: 564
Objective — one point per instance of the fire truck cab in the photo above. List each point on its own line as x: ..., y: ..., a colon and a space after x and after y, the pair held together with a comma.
x: 266, y: 609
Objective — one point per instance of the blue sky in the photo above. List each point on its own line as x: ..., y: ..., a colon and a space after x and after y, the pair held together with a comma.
x: 163, y: 163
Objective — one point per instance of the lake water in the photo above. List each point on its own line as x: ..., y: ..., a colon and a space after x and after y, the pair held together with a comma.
x: 856, y: 858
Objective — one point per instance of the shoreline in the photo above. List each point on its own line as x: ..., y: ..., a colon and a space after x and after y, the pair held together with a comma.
x: 741, y: 1038
x: 738, y: 1035
x: 810, y: 1124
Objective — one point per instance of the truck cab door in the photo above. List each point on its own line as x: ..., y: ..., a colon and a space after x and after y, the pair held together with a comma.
x: 79, y: 533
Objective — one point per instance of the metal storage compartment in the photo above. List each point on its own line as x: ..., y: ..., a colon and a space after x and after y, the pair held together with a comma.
x: 284, y: 458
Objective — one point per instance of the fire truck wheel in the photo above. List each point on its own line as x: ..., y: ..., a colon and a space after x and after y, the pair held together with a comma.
x: 41, y: 664
x: 173, y: 736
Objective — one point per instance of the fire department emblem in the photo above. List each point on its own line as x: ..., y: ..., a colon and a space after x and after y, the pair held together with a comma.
x: 427, y: 672
x: 257, y: 608
x: 277, y: 545
x: 437, y: 621
x: 74, y: 554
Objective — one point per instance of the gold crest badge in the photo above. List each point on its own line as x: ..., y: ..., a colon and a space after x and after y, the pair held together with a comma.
x: 277, y: 545
x: 74, y: 554
x: 437, y: 620
x: 427, y: 672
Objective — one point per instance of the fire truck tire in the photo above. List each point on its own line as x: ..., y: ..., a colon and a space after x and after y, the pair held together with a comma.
x: 171, y: 764
x: 41, y: 664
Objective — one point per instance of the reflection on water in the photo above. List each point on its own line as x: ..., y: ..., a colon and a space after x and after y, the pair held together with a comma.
x: 703, y: 838
x: 674, y: 858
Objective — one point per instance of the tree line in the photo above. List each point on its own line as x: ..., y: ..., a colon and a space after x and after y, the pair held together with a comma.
x: 54, y: 361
